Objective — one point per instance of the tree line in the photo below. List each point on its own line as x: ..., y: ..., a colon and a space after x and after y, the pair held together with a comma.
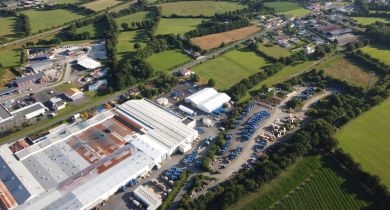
x: 25, y: 24
x: 380, y: 32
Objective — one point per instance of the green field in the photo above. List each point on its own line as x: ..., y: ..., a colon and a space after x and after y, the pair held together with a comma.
x: 283, y: 75
x: 126, y: 41
x: 379, y: 52
x: 370, y: 20
x: 177, y: 25
x: 10, y: 57
x: 274, y: 51
x: 8, y: 25
x: 231, y: 67
x: 287, y: 8
x: 311, y: 183
x: 100, y: 4
x: 343, y: 69
x: 198, y: 8
x: 167, y: 60
x: 366, y: 138
x: 46, y: 19
x: 136, y: 17
x: 95, y: 30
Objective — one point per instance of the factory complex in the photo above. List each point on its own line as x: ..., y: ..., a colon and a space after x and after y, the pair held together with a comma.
x: 78, y: 165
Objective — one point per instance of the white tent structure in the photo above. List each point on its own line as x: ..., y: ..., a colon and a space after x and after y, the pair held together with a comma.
x: 88, y: 63
x: 207, y: 99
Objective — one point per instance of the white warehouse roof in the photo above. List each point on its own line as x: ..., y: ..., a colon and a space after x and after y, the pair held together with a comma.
x: 88, y: 63
x: 208, y: 99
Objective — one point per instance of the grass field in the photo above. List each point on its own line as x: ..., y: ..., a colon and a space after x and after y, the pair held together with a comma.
x: 9, y: 26
x: 366, y: 138
x: 96, y: 30
x: 215, y: 40
x: 136, y: 17
x: 296, y: 12
x: 379, y: 52
x: 126, y: 41
x: 167, y: 60
x: 46, y: 19
x: 283, y: 75
x: 274, y: 51
x: 10, y: 57
x: 5, y: 76
x: 198, y: 8
x: 370, y: 20
x: 100, y: 4
x: 177, y: 25
x: 341, y: 68
x: 287, y: 8
x: 311, y: 183
x: 230, y: 68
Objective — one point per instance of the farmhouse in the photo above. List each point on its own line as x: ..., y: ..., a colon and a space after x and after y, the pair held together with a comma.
x: 207, y: 99
x: 185, y: 72
x: 74, y: 94
x: 76, y: 166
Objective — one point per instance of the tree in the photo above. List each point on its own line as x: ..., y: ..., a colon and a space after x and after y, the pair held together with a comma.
x: 211, y: 83
x: 195, y: 78
x: 125, y: 26
x: 137, y: 46
x: 319, y: 51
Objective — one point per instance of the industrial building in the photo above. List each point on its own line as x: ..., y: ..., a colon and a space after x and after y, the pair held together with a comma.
x: 148, y: 197
x: 76, y: 166
x: 88, y: 63
x: 207, y: 99
x: 74, y: 94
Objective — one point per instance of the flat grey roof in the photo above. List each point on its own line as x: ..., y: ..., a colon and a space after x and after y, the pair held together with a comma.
x: 4, y: 114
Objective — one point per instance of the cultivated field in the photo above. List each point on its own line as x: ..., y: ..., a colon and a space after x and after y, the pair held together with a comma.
x: 10, y: 57
x: 287, y: 8
x: 177, y: 25
x: 274, y: 51
x: 370, y: 20
x: 366, y: 138
x: 341, y: 68
x: 126, y: 41
x: 167, y: 60
x: 230, y: 68
x: 136, y: 17
x: 46, y: 19
x: 198, y: 8
x: 9, y: 26
x: 308, y: 184
x: 100, y: 4
x: 379, y: 52
x: 215, y: 40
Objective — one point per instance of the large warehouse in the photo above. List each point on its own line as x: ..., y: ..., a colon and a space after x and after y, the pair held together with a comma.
x: 79, y: 165
x: 207, y: 99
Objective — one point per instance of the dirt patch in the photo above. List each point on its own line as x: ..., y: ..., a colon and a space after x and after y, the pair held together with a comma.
x: 215, y: 40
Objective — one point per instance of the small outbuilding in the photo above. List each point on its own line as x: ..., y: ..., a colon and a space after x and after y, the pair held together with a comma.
x: 74, y: 94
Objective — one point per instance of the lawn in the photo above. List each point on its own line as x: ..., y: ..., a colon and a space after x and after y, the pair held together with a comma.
x: 282, y: 6
x: 343, y: 69
x: 46, y: 19
x: 379, y: 52
x: 310, y: 183
x: 366, y: 138
x: 296, y: 12
x: 167, y: 60
x: 95, y: 30
x: 283, y: 75
x: 287, y: 8
x: 136, y: 17
x: 100, y: 4
x: 126, y: 41
x: 274, y: 51
x: 177, y: 25
x: 9, y: 58
x: 370, y: 20
x: 230, y: 68
x: 198, y: 8
x: 9, y: 25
